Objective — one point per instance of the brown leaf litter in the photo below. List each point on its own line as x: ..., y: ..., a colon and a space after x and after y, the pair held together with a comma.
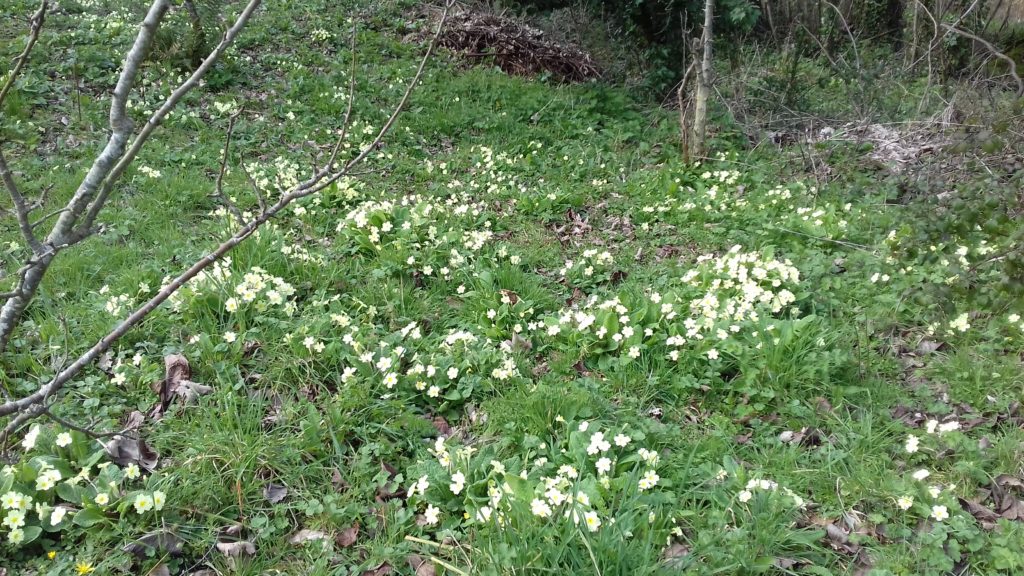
x: 176, y: 385
x: 516, y: 48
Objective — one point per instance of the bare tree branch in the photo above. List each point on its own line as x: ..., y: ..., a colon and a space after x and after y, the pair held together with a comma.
x: 157, y: 118
x: 21, y: 209
x: 995, y: 52
x: 75, y: 222
x: 219, y: 187
x: 121, y: 127
x: 255, y: 189
x: 19, y: 62
x: 30, y: 406
x: 394, y: 115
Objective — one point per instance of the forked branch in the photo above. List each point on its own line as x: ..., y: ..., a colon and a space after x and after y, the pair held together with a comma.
x: 32, y: 405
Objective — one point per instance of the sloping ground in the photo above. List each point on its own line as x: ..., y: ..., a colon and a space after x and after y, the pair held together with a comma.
x: 527, y: 339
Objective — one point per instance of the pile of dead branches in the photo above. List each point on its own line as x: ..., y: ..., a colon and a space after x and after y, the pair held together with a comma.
x: 516, y: 48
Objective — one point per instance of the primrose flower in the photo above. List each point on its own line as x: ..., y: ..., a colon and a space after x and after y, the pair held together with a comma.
x: 47, y: 479
x: 458, y: 483
x: 484, y: 514
x: 159, y: 499
x: 598, y: 444
x: 540, y: 508
x: 649, y: 456
x: 650, y: 480
x: 57, y: 515
x: 63, y: 439
x: 230, y: 337
x: 132, y: 471
x: 911, y: 445
x: 568, y: 471
x: 16, y: 536
x: 30, y: 439
x: 905, y: 502
x: 744, y: 496
x: 418, y: 487
x: 921, y: 474
x: 10, y: 500
x: 431, y: 515
x: 15, y: 519
x: 592, y: 521
x: 556, y: 497
x: 102, y: 499
x: 604, y: 465
x: 940, y: 513
x: 143, y: 503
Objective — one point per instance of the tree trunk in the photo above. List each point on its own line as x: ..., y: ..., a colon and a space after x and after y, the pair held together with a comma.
x: 704, y: 70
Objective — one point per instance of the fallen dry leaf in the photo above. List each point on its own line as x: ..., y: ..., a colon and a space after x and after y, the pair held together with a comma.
x: 236, y: 549
x: 383, y: 570
x: 106, y: 361
x: 124, y: 451
x: 339, y: 483
x: 134, y: 421
x: 926, y: 346
x: 389, y: 490
x: 520, y: 344
x: 441, y: 425
x: 987, y: 518
x: 232, y: 530
x: 421, y: 565
x: 275, y: 493
x: 274, y: 411
x: 347, y: 537
x: 176, y: 384
x: 1004, y: 499
x: 839, y: 540
x: 159, y: 542
x: 305, y: 535
x: 513, y: 298
x: 673, y: 555
x: 581, y: 369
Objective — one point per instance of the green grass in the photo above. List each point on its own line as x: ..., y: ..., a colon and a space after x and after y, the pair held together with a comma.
x: 804, y: 397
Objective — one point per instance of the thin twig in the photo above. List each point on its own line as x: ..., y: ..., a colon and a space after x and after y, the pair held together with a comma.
x: 398, y: 109
x: 348, y: 109
x: 219, y: 188
x: 48, y: 216
x: 255, y: 188
x: 860, y: 247
x: 21, y: 209
x: 19, y: 62
x: 995, y: 52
